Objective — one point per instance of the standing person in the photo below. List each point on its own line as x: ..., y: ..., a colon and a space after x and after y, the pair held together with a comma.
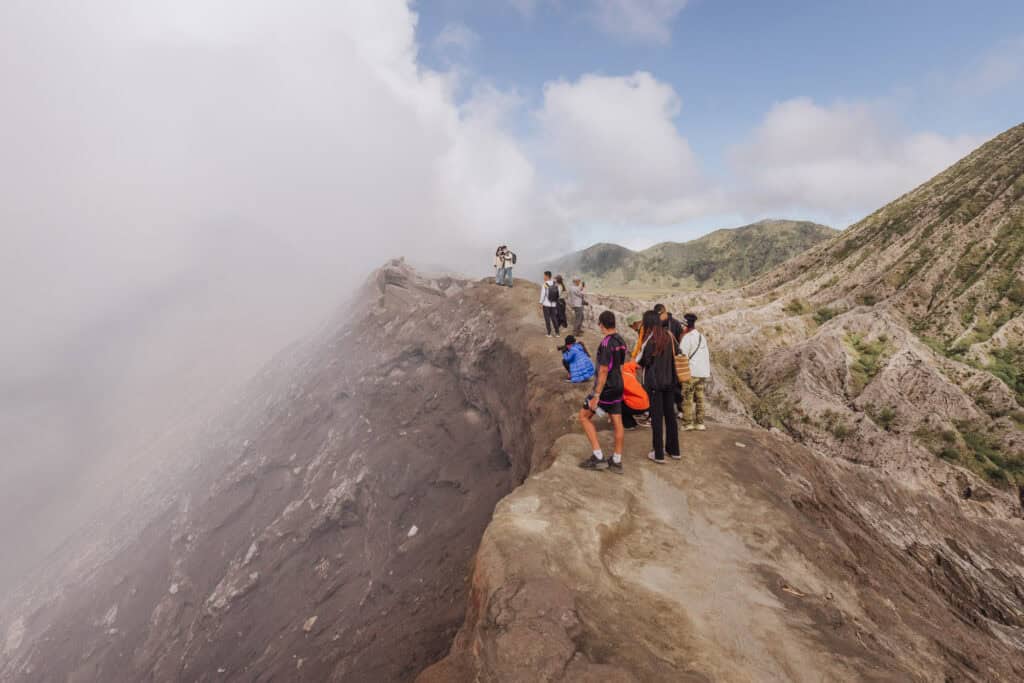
x: 606, y: 398
x: 499, y: 265
x: 563, y: 319
x: 661, y: 383
x: 549, y: 304
x: 668, y: 322
x: 636, y: 324
x: 509, y: 260
x: 576, y: 302
x: 695, y: 347
x: 676, y: 328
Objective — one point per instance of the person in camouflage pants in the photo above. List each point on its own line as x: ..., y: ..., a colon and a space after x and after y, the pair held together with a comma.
x: 694, y: 345
x: 693, y: 402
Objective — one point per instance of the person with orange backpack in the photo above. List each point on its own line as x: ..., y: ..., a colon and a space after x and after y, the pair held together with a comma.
x: 635, y: 401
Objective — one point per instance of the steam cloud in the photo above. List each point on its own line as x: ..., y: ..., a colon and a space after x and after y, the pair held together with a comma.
x: 187, y: 186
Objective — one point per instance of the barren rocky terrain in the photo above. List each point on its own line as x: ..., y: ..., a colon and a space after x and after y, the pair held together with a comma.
x: 398, y: 498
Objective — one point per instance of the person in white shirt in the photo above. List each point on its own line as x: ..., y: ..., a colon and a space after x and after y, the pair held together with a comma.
x: 695, y: 346
x: 499, y: 265
x: 549, y: 296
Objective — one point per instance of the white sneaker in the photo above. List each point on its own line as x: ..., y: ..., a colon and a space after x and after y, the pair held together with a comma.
x: 650, y: 456
x: 688, y: 428
x: 701, y: 428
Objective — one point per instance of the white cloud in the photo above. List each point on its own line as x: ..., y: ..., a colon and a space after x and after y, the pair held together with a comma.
x: 841, y: 161
x: 615, y: 142
x: 634, y: 20
x: 1001, y: 67
x: 456, y: 35
x: 637, y: 19
x: 524, y: 7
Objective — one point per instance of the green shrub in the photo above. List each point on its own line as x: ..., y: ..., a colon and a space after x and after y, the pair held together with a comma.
x: 1008, y: 365
x: 883, y: 417
x: 989, y: 458
x: 868, y: 360
x: 796, y: 307
x: 824, y: 314
x: 833, y: 422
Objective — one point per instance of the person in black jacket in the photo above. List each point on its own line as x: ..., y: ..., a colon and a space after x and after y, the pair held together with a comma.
x: 668, y: 322
x: 658, y: 361
x: 677, y: 329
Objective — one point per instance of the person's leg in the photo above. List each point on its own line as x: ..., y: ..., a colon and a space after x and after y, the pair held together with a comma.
x: 577, y: 322
x: 508, y: 277
x: 657, y: 424
x: 698, y: 399
x: 620, y: 434
x: 688, y: 404
x: 671, y: 426
x: 629, y: 417
x: 547, y: 318
x: 587, y: 420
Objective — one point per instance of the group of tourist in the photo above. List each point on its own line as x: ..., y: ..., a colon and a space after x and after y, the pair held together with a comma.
x: 661, y: 380
x: 556, y: 298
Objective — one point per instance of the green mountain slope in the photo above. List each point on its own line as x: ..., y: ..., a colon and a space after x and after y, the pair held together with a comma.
x: 724, y: 258
x: 948, y: 256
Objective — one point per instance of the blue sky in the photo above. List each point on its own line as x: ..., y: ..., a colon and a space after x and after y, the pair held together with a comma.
x: 943, y: 68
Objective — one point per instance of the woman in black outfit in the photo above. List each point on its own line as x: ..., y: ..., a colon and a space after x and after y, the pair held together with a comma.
x: 658, y: 361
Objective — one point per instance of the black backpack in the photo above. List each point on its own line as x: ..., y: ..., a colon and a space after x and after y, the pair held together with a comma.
x: 514, y: 259
x: 553, y: 292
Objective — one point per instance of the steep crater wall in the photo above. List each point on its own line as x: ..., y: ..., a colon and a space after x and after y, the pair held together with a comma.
x: 335, y: 540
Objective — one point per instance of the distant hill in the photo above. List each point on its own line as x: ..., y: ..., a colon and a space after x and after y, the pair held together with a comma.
x: 724, y: 258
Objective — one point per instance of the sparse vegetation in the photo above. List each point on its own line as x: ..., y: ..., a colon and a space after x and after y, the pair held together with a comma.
x: 1008, y: 365
x: 833, y: 422
x: 868, y: 360
x: 978, y: 449
x: 824, y: 314
x: 796, y: 307
x: 867, y: 299
x: 884, y: 417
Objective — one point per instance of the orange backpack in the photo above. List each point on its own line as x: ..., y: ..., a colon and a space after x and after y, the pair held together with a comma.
x: 633, y: 392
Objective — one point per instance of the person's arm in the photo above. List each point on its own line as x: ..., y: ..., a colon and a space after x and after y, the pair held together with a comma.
x: 543, y: 288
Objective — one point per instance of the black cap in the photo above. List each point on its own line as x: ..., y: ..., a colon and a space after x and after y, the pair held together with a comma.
x: 570, y: 340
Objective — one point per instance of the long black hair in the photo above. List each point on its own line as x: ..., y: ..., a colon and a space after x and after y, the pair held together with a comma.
x: 655, y: 333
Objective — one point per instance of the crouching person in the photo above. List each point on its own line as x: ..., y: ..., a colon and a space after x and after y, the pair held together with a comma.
x: 635, y: 401
x: 606, y: 398
x: 576, y: 361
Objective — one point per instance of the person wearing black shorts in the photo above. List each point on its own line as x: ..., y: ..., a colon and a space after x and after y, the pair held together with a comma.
x: 607, y: 396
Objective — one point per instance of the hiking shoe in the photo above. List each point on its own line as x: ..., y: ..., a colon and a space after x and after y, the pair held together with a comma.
x: 688, y: 428
x: 615, y: 467
x: 653, y: 458
x: 701, y: 428
x: 592, y: 463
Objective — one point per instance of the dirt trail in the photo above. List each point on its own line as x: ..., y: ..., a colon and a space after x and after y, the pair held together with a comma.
x: 751, y: 559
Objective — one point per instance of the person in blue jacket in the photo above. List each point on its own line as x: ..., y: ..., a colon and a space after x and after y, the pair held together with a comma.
x: 576, y: 361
